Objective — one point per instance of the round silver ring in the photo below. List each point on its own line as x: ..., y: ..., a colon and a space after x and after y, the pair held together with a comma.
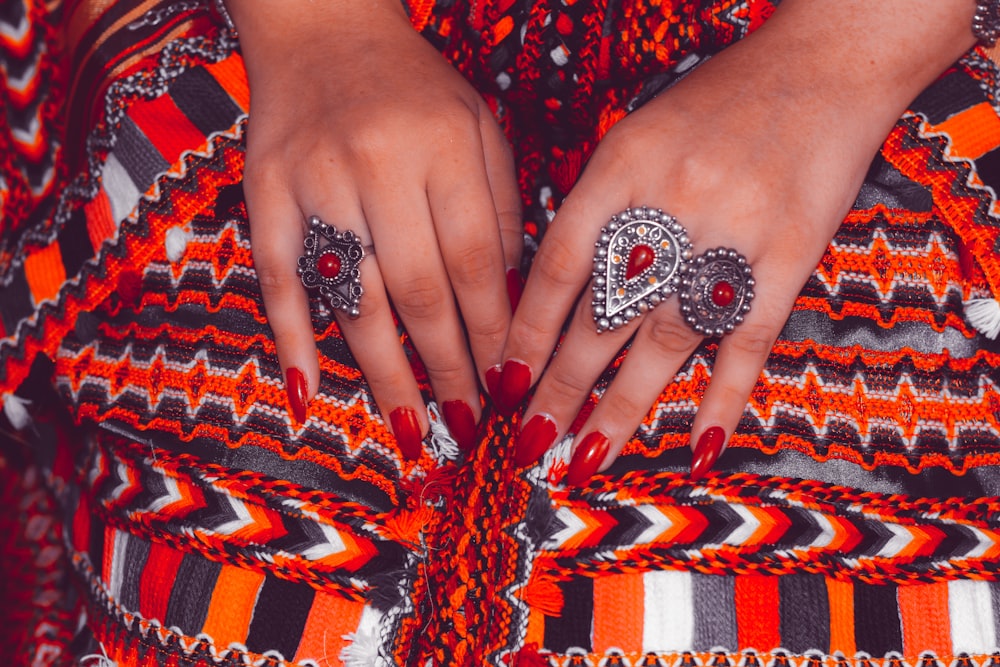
x: 640, y: 257
x: 716, y: 292
x: 330, y: 265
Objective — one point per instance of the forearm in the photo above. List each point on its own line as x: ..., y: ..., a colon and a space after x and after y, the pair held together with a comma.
x: 284, y: 32
x: 876, y: 55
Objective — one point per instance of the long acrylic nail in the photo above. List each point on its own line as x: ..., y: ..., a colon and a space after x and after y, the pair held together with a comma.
x: 587, y: 458
x: 707, y: 451
x: 461, y: 423
x: 406, y: 428
x: 295, y: 386
x: 515, y: 286
x: 492, y: 376
x: 515, y: 380
x: 537, y: 435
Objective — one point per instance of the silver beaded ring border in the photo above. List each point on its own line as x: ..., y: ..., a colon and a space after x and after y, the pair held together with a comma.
x: 329, y: 265
x: 640, y: 257
x: 716, y: 292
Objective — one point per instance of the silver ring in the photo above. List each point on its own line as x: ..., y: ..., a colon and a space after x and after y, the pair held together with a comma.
x: 329, y: 265
x: 640, y: 257
x: 716, y: 292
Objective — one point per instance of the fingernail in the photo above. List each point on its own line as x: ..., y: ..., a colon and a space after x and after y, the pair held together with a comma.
x: 515, y: 380
x: 536, y: 437
x: 515, y: 285
x: 707, y: 451
x: 295, y: 386
x: 406, y: 428
x: 587, y: 458
x: 461, y: 422
x: 492, y: 376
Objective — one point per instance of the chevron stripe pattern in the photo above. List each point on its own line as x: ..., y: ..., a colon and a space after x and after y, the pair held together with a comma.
x: 246, y: 520
x: 746, y: 524
x: 851, y: 523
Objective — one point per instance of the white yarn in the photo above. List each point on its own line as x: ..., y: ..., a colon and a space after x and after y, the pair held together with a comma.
x: 16, y: 410
x: 176, y: 241
x: 98, y: 659
x: 443, y: 445
x: 362, y: 650
x: 984, y: 315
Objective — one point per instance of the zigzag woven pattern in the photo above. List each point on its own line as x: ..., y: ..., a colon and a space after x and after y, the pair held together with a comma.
x: 852, y: 522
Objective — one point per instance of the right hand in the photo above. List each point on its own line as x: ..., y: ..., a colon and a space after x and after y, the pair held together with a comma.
x: 356, y: 119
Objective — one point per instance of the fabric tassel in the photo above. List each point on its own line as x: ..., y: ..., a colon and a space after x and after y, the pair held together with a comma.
x: 984, y: 315
x: 362, y: 650
x: 16, y: 410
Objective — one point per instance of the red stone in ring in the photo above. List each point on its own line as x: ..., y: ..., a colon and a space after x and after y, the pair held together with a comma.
x: 640, y: 259
x: 328, y: 265
x: 723, y: 294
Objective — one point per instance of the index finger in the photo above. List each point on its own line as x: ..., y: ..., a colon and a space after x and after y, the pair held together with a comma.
x: 559, y: 272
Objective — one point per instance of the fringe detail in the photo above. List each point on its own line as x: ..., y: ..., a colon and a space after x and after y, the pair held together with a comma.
x: 544, y: 594
x: 984, y: 315
x: 97, y: 659
x: 443, y: 446
x: 362, y: 650
x: 16, y: 410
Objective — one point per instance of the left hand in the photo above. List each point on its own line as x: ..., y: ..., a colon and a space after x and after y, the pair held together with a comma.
x: 762, y: 149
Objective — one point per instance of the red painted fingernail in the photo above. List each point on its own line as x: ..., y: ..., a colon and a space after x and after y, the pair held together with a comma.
x: 515, y: 380
x: 515, y: 285
x: 295, y: 386
x: 707, y: 452
x: 492, y: 376
x: 587, y: 458
x: 461, y: 422
x: 966, y: 260
x: 406, y: 428
x: 536, y: 437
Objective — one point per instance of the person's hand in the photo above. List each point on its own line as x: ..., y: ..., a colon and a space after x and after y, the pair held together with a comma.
x: 356, y: 119
x: 763, y: 150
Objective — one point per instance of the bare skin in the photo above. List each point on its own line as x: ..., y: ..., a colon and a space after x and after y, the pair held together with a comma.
x: 397, y: 147
x: 400, y: 149
x: 787, y: 123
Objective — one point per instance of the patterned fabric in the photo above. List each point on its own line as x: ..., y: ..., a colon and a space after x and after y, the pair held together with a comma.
x: 852, y: 522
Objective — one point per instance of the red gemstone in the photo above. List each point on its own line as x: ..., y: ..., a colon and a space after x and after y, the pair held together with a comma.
x: 723, y: 294
x: 640, y: 259
x: 328, y: 265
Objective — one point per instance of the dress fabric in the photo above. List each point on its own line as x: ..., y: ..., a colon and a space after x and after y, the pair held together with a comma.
x: 852, y: 522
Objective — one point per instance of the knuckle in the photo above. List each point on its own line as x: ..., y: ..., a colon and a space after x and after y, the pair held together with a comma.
x: 421, y: 298
x: 753, y: 339
x: 669, y: 335
x: 474, y: 265
x: 622, y: 406
x: 528, y: 333
x: 446, y: 372
x: 489, y: 329
x: 563, y: 385
x: 272, y: 279
x: 557, y: 263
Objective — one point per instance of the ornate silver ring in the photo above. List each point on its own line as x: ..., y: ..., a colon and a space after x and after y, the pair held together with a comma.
x: 329, y: 265
x: 716, y: 292
x: 640, y: 258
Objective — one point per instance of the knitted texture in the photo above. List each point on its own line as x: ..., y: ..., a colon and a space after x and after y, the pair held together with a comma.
x: 852, y: 521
